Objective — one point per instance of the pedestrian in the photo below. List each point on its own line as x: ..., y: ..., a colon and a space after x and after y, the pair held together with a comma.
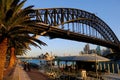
x: 25, y: 65
x: 28, y: 66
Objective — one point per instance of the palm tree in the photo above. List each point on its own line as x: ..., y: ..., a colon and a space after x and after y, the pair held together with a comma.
x: 21, y: 43
x: 12, y: 57
x: 14, y: 21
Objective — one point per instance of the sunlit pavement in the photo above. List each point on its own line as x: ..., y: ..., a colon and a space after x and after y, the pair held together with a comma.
x: 20, y: 74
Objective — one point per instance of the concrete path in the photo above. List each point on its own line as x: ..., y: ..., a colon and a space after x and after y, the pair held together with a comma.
x: 20, y: 74
x: 111, y: 76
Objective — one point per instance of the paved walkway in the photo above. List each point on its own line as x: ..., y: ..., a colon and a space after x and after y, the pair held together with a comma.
x: 20, y: 74
x: 111, y: 76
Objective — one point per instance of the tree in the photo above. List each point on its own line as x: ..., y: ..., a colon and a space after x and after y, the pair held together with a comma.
x: 21, y: 43
x: 14, y: 20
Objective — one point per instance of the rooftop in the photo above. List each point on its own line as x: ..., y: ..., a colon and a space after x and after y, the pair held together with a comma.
x: 83, y: 57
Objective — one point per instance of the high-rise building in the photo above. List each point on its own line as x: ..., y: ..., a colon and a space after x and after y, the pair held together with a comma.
x: 98, y: 50
x: 86, y: 49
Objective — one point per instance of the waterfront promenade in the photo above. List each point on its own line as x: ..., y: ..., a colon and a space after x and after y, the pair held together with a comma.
x: 20, y: 74
x: 34, y: 74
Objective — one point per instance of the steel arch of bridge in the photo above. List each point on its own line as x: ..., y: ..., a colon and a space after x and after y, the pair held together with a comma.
x: 79, y: 22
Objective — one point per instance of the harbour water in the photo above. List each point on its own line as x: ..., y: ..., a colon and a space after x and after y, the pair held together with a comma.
x: 36, y: 61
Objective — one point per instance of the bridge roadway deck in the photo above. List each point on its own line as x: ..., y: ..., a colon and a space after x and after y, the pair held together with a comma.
x: 20, y: 74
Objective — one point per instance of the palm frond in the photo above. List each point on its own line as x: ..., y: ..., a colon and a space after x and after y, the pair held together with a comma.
x: 14, y: 3
x: 16, y: 25
x: 23, y: 31
x: 8, y: 4
x: 18, y: 7
x: 8, y: 15
x: 38, y: 41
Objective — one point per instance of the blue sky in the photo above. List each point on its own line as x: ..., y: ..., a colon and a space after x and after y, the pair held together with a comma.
x: 107, y: 10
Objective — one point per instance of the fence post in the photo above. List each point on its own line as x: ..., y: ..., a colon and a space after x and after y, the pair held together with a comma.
x: 113, y: 68
x: 108, y: 68
x: 118, y: 68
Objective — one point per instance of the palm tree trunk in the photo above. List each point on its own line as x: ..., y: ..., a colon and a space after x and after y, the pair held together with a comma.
x: 12, y: 57
x: 3, y: 50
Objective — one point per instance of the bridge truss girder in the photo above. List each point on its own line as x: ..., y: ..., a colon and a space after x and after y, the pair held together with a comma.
x: 60, y: 17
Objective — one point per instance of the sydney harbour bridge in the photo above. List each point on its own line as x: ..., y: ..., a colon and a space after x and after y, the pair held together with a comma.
x: 76, y: 24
